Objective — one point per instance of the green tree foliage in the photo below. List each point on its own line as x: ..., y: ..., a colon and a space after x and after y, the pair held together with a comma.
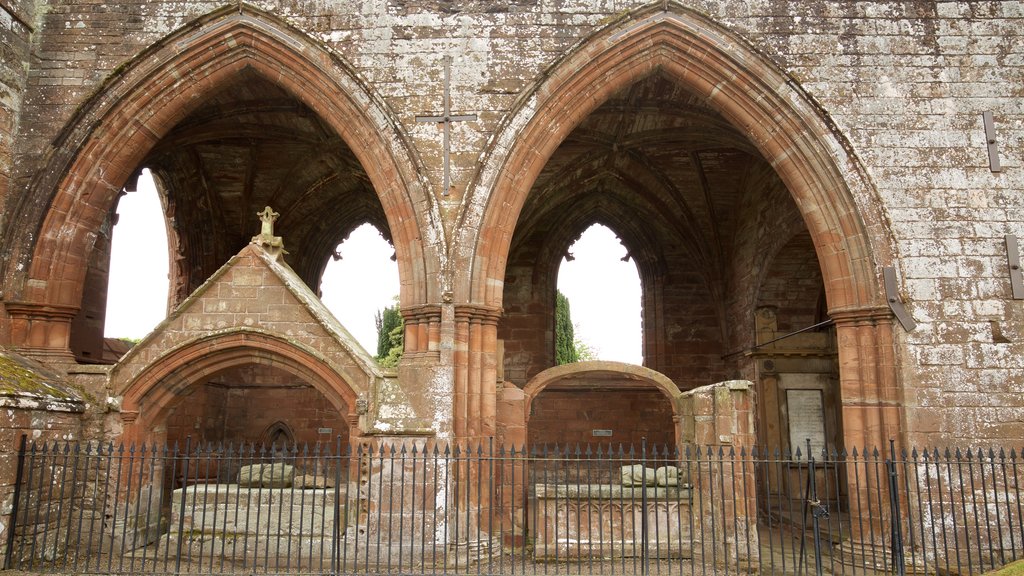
x: 386, y: 321
x: 397, y: 340
x: 565, y: 339
x: 390, y: 336
x: 584, y: 351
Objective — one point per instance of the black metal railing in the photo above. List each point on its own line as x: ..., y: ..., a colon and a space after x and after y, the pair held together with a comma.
x: 425, y: 507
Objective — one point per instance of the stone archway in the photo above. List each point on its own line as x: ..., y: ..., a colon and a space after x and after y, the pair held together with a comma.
x: 590, y: 384
x: 103, y: 146
x: 781, y: 123
x: 150, y: 393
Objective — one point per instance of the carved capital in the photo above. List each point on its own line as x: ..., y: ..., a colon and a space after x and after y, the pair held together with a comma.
x: 477, y: 313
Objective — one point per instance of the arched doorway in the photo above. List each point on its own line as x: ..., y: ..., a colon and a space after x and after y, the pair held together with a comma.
x: 712, y: 148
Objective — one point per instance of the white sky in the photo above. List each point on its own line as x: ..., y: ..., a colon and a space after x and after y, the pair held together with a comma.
x: 603, y: 291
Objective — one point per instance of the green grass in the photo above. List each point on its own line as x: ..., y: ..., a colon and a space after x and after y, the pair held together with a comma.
x: 1015, y: 569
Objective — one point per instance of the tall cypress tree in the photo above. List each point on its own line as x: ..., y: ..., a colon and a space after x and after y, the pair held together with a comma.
x: 565, y: 341
x: 387, y: 320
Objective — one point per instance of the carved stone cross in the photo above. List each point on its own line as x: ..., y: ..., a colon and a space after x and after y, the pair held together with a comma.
x: 266, y: 236
x: 267, y: 217
x: 446, y: 118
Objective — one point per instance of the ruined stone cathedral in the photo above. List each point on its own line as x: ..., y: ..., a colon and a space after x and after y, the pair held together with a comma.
x: 822, y: 198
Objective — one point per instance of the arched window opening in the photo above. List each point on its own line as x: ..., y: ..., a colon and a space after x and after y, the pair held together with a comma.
x: 602, y: 286
x: 360, y: 280
x: 138, y: 282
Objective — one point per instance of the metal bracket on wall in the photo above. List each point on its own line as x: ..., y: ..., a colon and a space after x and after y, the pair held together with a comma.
x: 1013, y: 259
x: 892, y: 296
x: 990, y: 141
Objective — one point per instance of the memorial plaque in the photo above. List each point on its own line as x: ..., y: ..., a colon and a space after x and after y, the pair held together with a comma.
x: 806, y: 409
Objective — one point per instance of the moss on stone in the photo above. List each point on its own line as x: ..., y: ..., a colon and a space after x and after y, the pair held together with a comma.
x: 19, y: 377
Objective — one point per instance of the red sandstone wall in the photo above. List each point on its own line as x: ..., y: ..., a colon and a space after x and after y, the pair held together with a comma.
x: 571, y: 416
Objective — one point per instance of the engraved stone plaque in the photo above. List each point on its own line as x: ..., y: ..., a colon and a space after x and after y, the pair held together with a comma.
x: 806, y: 409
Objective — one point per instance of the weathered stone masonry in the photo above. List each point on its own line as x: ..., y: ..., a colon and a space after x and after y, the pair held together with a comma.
x: 769, y: 155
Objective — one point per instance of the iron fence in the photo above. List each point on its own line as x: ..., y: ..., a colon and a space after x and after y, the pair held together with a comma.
x: 420, y: 507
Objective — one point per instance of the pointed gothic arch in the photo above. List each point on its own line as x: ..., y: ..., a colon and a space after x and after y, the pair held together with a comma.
x: 103, y: 145
x: 785, y: 125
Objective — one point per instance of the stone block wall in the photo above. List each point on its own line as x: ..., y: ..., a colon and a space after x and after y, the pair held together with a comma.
x: 903, y: 85
x: 570, y: 417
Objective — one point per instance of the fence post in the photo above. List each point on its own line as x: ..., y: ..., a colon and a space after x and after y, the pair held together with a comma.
x: 896, y: 530
x: 181, y: 509
x: 14, y: 505
x: 644, y: 559
x: 816, y: 508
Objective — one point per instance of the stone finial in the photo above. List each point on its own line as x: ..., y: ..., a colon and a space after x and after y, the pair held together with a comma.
x: 266, y: 236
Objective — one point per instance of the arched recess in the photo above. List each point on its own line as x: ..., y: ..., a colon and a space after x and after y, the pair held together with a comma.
x: 787, y: 128
x: 586, y: 377
x: 147, y: 396
x: 103, y: 145
x: 527, y: 325
x: 781, y: 121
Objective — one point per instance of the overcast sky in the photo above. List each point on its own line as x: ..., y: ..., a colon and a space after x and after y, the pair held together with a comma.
x: 603, y: 291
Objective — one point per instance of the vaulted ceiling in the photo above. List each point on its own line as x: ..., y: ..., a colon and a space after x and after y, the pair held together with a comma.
x: 660, y: 168
x: 249, y: 145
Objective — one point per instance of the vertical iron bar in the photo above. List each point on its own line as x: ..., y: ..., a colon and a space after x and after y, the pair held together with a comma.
x: 18, y: 473
x: 735, y: 511
x: 951, y: 488
x: 967, y: 529
x: 914, y: 458
x: 412, y: 508
x: 909, y: 519
x: 32, y: 464
x: 876, y: 510
x: 181, y: 507
x: 931, y: 508
x: 491, y: 505
x: 424, y: 503
x: 391, y: 502
x: 974, y: 509
x: 380, y: 506
x: 999, y: 525
x: 71, y: 504
x: 898, y: 563
x: 769, y: 521
x: 1009, y: 510
x: 988, y: 521
x: 1016, y: 492
x: 698, y: 484
x: 746, y: 499
x: 60, y: 499
x: 644, y: 536
x: 124, y: 525
x: 49, y: 498
x: 812, y: 487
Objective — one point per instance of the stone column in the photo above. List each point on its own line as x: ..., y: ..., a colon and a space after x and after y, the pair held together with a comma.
x: 718, y: 435
x: 871, y: 402
x: 476, y: 350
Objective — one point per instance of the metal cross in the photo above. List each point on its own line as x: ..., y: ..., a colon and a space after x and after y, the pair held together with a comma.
x: 446, y: 119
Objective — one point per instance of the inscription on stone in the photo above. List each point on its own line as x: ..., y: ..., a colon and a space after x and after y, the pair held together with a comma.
x: 806, y: 409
